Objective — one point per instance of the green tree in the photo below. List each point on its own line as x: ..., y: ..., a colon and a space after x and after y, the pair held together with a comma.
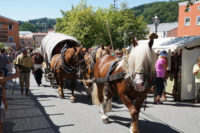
x: 27, y: 27
x: 167, y: 11
x: 91, y: 26
x: 2, y: 45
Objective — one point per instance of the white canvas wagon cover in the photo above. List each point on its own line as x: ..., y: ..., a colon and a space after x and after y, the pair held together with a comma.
x: 53, y: 39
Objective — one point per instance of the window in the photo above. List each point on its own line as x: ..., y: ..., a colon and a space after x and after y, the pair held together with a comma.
x: 10, y: 27
x: 198, y: 8
x: 11, y: 39
x: 187, y: 21
x: 1, y: 26
x: 198, y: 20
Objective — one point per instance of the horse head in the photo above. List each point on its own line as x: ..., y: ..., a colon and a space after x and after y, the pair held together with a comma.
x: 102, y: 51
x: 141, y: 64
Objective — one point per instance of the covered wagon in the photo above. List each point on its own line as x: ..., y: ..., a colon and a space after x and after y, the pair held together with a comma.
x: 51, y: 45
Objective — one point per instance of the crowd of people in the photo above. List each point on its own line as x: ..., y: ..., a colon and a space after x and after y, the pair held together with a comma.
x: 24, y: 62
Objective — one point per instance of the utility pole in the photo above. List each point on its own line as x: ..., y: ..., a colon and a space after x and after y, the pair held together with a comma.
x: 114, y: 4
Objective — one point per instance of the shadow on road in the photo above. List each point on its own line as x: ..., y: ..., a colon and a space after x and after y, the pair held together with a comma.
x: 145, y: 126
x: 27, y: 115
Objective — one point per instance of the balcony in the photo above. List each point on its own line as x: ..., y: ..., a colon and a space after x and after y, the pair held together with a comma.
x: 3, y: 40
x: 3, y: 36
x: 3, y: 30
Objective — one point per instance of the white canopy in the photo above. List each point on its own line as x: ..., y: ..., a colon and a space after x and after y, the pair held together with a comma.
x: 173, y: 44
x: 52, y: 40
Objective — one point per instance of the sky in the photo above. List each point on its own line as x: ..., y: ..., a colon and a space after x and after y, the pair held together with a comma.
x: 31, y: 9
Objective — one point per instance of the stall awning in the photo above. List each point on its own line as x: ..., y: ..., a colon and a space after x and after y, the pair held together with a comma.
x: 173, y: 44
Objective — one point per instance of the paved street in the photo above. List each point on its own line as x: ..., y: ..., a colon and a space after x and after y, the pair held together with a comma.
x: 45, y: 112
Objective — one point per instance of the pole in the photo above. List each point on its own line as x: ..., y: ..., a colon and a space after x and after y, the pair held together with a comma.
x: 124, y: 39
x: 114, y: 4
x: 108, y: 27
x: 156, y: 29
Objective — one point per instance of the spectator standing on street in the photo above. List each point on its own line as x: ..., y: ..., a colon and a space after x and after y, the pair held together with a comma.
x: 196, y: 72
x: 38, y: 60
x: 10, y: 65
x: 25, y: 64
x: 4, y: 61
x: 3, y: 101
x: 160, y: 75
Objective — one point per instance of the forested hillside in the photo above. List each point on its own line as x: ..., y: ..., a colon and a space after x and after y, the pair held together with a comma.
x: 37, y: 25
x: 167, y: 11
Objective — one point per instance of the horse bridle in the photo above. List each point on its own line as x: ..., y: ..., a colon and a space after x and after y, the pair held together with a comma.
x: 147, y: 79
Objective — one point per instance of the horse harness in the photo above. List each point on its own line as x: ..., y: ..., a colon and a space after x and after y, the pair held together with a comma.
x: 110, y: 77
x: 94, y: 54
x: 121, y: 75
x: 63, y: 65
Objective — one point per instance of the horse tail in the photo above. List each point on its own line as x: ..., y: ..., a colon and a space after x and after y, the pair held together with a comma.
x: 95, y: 98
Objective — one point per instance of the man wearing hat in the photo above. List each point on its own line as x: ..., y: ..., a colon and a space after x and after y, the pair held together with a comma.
x: 161, y: 68
x: 25, y: 64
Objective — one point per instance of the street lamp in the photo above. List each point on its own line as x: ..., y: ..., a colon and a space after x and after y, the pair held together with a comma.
x: 156, y: 21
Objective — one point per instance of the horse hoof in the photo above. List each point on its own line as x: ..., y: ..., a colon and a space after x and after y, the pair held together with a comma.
x: 62, y: 97
x: 105, y: 121
x: 72, y: 99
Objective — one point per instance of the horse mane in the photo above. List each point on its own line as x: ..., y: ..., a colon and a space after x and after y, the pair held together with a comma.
x: 140, y: 57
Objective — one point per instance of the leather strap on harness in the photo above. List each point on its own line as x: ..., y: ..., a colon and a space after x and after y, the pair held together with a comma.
x: 94, y: 54
x: 111, y: 69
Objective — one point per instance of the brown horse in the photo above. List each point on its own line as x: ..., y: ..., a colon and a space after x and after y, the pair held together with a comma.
x: 88, y: 73
x: 102, y: 51
x: 90, y: 60
x: 138, y: 68
x: 67, y: 67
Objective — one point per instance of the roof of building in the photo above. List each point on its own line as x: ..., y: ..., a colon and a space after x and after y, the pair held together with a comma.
x: 25, y: 34
x: 186, y: 2
x: 8, y: 19
x: 40, y: 34
x: 163, y: 27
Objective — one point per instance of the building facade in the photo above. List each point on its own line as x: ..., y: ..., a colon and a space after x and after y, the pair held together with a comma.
x: 38, y: 37
x: 189, y: 22
x: 26, y: 39
x: 9, y: 32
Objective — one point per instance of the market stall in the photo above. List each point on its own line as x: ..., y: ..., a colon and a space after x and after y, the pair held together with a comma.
x: 183, y: 53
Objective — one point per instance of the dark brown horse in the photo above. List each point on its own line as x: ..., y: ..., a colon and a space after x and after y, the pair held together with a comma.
x: 138, y: 68
x: 90, y: 60
x: 68, y: 66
